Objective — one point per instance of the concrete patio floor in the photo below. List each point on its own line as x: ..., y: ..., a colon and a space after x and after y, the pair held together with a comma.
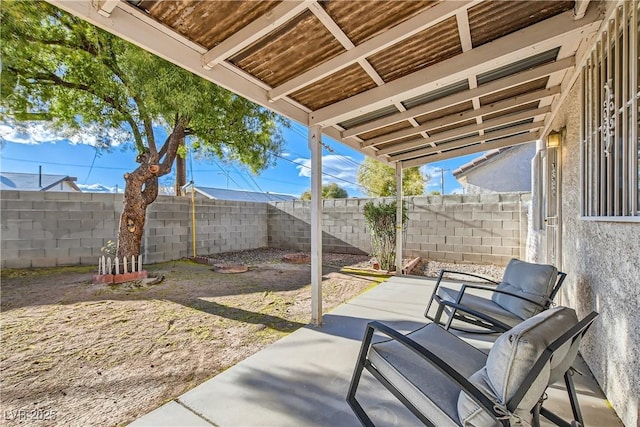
x: 302, y: 379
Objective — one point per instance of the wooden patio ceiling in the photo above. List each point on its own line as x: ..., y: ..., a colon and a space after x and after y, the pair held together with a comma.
x: 403, y: 81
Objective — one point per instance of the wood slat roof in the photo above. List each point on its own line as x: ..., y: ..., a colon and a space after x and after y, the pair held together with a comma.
x: 403, y: 81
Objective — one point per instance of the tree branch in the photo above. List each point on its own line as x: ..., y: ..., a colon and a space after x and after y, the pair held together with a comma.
x: 150, y: 192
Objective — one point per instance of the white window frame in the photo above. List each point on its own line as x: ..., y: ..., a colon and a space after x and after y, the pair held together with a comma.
x: 609, y: 165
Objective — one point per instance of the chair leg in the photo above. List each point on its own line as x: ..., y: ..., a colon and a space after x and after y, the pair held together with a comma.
x: 573, y: 396
x: 438, y: 316
x: 535, y: 422
x: 355, y: 380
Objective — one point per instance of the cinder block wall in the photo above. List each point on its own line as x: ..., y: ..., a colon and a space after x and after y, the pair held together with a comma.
x: 42, y: 229
x: 46, y: 229
x: 342, y: 220
x: 479, y: 228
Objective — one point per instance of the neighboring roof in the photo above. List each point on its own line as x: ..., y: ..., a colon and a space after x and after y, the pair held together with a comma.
x: 241, y: 195
x: 34, y: 181
x: 478, y: 161
x: 402, y: 81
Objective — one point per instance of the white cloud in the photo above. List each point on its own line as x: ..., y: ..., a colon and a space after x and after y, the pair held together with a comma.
x: 42, y: 132
x: 285, y: 154
x: 435, y: 183
x: 342, y: 168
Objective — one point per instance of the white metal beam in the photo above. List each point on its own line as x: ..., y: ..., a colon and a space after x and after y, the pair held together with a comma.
x: 344, y: 40
x: 461, y: 117
x: 135, y: 26
x: 531, y: 40
x: 315, y: 146
x: 262, y: 26
x: 105, y: 7
x: 376, y: 44
x: 464, y: 130
x: 580, y: 9
x: 492, y: 87
x: 399, y: 223
x: 462, y: 19
x: 473, y: 149
x: 466, y: 141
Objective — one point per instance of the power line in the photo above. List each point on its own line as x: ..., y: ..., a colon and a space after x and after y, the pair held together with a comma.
x: 323, y: 173
x: 233, y: 180
x: 65, y: 164
x: 91, y: 167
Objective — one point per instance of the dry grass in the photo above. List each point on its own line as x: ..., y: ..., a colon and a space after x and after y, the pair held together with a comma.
x: 104, y: 355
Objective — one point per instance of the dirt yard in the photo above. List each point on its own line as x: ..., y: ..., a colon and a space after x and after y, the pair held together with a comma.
x: 79, y: 354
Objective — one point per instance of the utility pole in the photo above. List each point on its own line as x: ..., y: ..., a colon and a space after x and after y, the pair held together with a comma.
x: 442, y: 171
x: 225, y: 173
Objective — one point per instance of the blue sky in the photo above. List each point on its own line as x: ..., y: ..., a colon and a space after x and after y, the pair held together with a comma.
x: 26, y: 151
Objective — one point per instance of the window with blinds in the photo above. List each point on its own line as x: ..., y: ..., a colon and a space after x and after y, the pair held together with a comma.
x: 610, y: 156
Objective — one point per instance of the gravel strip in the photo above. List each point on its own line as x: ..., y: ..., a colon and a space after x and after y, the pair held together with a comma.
x: 425, y: 268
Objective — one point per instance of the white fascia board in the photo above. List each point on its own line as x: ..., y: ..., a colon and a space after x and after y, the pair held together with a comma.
x: 129, y: 23
x: 464, y: 130
x: 466, y: 141
x: 494, y: 86
x: 257, y: 29
x: 507, y: 142
x: 545, y: 35
x: 376, y: 44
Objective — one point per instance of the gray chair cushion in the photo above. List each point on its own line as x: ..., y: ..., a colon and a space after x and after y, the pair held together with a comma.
x: 483, y: 305
x: 510, y: 360
x: 420, y: 382
x: 532, y: 281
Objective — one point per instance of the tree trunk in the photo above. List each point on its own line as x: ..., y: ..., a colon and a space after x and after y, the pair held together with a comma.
x: 181, y: 172
x: 141, y: 189
x: 133, y: 213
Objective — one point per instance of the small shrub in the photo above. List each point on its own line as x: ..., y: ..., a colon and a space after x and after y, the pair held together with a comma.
x: 381, y: 220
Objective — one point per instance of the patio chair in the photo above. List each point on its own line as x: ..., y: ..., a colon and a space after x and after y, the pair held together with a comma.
x: 444, y: 381
x: 526, y: 289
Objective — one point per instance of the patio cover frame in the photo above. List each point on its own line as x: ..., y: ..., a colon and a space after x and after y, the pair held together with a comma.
x: 477, y: 92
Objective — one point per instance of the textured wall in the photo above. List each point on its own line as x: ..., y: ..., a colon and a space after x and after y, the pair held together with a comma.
x: 509, y: 171
x: 602, y: 259
x: 41, y: 229
x: 488, y: 228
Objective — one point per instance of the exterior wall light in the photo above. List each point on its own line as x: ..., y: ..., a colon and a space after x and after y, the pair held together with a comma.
x: 554, y: 139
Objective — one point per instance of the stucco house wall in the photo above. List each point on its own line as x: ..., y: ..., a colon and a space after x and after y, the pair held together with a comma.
x: 602, y: 260
x: 507, y: 171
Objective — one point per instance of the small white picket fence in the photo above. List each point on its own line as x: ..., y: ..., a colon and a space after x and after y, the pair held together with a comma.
x: 118, y: 266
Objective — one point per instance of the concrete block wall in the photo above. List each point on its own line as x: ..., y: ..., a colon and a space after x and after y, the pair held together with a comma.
x: 47, y: 229
x: 221, y: 226
x: 478, y: 228
x: 343, y: 226
x: 42, y: 229
x: 470, y: 228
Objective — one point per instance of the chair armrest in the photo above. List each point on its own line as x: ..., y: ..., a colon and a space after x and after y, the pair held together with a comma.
x: 496, y: 325
x: 444, y: 271
x: 439, y: 279
x: 471, y: 390
x: 498, y: 291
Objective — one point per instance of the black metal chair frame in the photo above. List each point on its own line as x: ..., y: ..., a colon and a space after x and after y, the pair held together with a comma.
x: 474, y: 317
x: 579, y: 329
